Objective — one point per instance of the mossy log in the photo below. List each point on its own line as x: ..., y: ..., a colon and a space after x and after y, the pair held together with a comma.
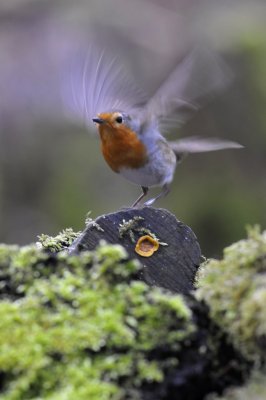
x: 175, y: 263
x: 83, y: 326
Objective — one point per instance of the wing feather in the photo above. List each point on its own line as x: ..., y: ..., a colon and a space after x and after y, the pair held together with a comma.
x: 98, y: 82
x: 192, y: 83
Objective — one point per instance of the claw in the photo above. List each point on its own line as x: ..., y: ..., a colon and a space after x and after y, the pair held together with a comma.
x: 149, y: 202
x: 164, y: 192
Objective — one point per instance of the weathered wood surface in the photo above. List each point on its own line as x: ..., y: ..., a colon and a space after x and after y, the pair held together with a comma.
x: 172, y: 266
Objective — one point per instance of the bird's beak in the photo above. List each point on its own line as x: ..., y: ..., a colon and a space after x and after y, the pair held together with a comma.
x: 98, y: 120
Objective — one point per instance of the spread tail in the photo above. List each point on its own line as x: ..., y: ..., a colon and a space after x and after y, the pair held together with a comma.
x: 194, y: 144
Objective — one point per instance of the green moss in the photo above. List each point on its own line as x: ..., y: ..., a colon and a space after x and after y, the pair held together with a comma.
x: 80, y: 327
x: 235, y: 290
x: 254, y: 389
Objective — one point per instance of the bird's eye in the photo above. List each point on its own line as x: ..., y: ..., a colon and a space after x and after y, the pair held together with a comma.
x: 119, y: 119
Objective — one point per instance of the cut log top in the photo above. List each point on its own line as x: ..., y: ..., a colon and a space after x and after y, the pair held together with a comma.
x: 167, y: 249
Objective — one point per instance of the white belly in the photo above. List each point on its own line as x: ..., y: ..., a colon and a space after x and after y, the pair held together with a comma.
x: 152, y: 174
x: 160, y: 168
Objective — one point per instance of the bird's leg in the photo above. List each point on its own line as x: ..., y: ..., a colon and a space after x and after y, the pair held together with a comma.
x: 143, y: 194
x: 164, y: 192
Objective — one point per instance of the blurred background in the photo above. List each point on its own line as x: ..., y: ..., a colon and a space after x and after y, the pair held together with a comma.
x: 51, y: 169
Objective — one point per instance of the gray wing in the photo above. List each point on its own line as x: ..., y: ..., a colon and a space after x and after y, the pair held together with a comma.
x: 201, y: 75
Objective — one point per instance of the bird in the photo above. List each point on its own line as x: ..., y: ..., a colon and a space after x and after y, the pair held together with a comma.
x: 131, y: 126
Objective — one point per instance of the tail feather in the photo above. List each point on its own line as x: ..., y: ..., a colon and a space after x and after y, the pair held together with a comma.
x: 201, y: 145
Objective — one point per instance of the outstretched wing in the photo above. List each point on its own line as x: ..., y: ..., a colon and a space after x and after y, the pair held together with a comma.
x: 97, y: 82
x: 192, y: 83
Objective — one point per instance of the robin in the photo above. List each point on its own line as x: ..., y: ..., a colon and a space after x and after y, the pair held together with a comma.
x: 131, y: 136
x: 142, y: 155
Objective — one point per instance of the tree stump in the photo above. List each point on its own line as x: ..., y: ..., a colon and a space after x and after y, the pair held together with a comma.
x: 173, y: 266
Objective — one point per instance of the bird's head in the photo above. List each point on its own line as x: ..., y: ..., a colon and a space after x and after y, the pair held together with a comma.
x: 116, y: 124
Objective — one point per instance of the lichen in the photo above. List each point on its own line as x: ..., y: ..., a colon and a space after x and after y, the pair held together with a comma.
x: 146, y: 246
x: 128, y: 227
x: 81, y: 326
x: 235, y: 291
x: 91, y: 222
x: 131, y: 227
x: 57, y: 243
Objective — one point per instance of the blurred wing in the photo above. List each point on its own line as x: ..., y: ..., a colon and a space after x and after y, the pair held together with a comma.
x: 98, y: 83
x: 200, y: 76
x: 201, y: 145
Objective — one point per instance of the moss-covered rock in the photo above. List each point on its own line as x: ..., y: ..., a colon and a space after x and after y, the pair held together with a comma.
x: 81, y: 327
x: 84, y: 327
x: 235, y: 291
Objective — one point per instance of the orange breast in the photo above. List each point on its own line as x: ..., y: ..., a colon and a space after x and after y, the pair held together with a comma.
x: 121, y: 147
